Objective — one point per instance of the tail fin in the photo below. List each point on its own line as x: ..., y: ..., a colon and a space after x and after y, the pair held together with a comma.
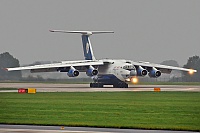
x: 87, y: 47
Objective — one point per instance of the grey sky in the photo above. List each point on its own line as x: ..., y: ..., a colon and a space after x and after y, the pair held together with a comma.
x: 145, y: 30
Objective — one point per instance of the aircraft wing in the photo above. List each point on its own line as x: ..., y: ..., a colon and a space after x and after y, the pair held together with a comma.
x: 162, y: 68
x: 62, y: 67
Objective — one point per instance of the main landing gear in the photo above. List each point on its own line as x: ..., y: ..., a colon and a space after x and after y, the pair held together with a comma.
x: 116, y: 85
x: 96, y: 85
x: 120, y: 85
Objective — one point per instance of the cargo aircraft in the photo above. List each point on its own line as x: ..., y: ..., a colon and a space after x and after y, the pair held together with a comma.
x: 106, y: 71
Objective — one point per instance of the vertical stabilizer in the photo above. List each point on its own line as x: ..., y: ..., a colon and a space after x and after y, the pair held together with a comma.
x: 87, y: 47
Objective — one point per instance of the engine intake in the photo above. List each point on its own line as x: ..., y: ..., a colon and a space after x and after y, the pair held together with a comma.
x: 92, y: 71
x: 141, y: 71
x: 154, y: 73
x: 73, y: 72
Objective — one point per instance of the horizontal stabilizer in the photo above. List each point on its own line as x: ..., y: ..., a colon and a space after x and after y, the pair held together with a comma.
x: 82, y: 32
x: 87, y: 47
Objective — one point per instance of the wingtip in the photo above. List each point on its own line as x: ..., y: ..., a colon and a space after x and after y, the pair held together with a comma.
x: 194, y: 70
x: 5, y: 69
x: 191, y: 71
x: 51, y: 30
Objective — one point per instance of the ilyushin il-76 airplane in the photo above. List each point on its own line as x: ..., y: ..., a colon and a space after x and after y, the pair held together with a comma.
x: 106, y: 71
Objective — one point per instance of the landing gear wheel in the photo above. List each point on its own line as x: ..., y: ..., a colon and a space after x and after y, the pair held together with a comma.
x: 126, y: 85
x: 120, y: 85
x: 91, y: 85
x: 96, y: 85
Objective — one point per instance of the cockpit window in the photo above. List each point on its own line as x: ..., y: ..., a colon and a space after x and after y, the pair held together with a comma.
x: 128, y: 62
x: 129, y: 67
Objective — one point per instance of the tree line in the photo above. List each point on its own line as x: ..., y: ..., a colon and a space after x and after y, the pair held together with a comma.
x: 6, y: 61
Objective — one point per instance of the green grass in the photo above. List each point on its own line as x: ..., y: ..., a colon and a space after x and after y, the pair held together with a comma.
x: 143, y: 110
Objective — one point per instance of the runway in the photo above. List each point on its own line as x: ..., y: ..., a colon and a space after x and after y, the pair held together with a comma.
x: 48, y: 87
x: 59, y: 129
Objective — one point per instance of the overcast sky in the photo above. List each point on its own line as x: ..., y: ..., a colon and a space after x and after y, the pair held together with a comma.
x: 145, y: 30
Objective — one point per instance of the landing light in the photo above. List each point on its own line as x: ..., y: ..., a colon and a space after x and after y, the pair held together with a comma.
x: 191, y: 71
x: 128, y: 80
x: 134, y: 80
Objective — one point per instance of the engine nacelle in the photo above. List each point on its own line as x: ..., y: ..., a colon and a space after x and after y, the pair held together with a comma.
x: 154, y: 73
x: 141, y: 71
x: 73, y: 72
x: 92, y: 71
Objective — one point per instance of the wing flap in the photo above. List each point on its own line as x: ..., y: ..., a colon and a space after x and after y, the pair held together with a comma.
x: 43, y: 70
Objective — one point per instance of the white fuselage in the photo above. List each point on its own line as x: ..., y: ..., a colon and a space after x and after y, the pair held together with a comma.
x: 119, y: 68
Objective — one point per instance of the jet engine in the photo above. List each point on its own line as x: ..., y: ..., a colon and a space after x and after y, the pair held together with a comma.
x: 92, y: 71
x: 141, y: 71
x: 73, y: 72
x: 154, y: 73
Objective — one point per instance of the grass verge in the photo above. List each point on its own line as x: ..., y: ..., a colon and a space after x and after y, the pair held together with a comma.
x: 143, y: 110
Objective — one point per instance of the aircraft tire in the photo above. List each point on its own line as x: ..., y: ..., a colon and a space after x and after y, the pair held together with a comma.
x: 126, y: 85
x: 96, y: 85
x: 115, y: 85
x: 100, y: 85
x: 120, y: 85
x: 91, y: 85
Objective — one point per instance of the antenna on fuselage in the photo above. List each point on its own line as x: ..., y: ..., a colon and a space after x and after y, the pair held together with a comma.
x: 87, y: 47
